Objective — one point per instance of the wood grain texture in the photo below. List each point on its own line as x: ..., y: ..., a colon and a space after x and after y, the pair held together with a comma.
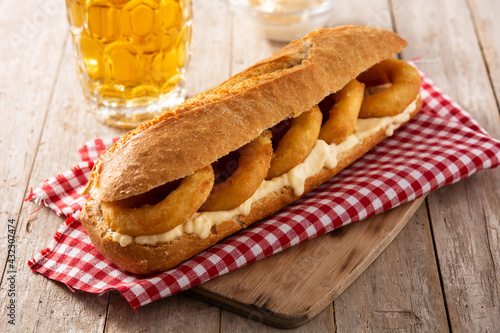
x: 211, y: 58
x: 487, y: 26
x: 254, y: 322
x: 67, y: 126
x: 24, y: 98
x: 174, y: 314
x: 43, y: 120
x: 292, y: 287
x: 464, y: 216
x: 372, y: 13
x: 31, y: 63
x: 400, y: 291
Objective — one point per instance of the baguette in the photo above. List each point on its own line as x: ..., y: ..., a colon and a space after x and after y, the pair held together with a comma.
x: 215, y: 123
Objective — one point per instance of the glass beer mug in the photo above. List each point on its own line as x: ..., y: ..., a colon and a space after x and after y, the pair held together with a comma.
x: 131, y: 55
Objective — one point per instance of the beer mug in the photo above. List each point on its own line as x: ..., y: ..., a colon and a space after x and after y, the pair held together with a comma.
x: 131, y: 55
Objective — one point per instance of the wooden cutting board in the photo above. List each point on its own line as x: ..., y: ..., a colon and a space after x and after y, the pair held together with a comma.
x: 290, y: 288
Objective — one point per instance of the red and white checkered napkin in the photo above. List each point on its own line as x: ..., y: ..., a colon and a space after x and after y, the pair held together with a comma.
x: 442, y: 145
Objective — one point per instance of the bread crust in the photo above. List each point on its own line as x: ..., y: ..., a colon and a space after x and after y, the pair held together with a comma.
x: 214, y: 123
x: 221, y: 120
x: 148, y: 259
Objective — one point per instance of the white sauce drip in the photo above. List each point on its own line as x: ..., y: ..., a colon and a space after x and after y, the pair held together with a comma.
x: 321, y: 156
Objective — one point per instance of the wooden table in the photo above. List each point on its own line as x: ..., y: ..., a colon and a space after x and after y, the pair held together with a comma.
x: 441, y: 273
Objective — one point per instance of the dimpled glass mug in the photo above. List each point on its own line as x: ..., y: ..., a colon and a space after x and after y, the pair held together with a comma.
x: 131, y: 55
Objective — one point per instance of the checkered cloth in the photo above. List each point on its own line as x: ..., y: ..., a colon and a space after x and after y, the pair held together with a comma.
x: 440, y: 146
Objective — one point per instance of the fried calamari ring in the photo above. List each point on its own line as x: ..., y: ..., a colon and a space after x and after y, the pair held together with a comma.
x: 175, y: 209
x: 405, y: 86
x: 253, y: 163
x: 343, y: 114
x: 297, y: 142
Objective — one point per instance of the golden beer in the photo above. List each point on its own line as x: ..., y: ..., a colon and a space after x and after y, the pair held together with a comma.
x: 131, y: 55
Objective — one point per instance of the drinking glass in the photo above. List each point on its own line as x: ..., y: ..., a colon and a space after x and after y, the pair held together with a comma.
x: 131, y: 55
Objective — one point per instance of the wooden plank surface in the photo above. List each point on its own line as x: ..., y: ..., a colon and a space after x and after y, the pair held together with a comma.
x: 401, y: 291
x: 290, y: 288
x: 442, y: 271
x: 24, y: 98
x: 466, y: 235
x: 31, y: 76
x: 487, y: 25
x: 66, y: 127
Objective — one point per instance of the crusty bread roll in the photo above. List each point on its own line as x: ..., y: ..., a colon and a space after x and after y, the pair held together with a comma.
x: 214, y: 123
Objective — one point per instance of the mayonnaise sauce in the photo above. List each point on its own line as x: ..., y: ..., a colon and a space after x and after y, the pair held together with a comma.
x: 321, y: 156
